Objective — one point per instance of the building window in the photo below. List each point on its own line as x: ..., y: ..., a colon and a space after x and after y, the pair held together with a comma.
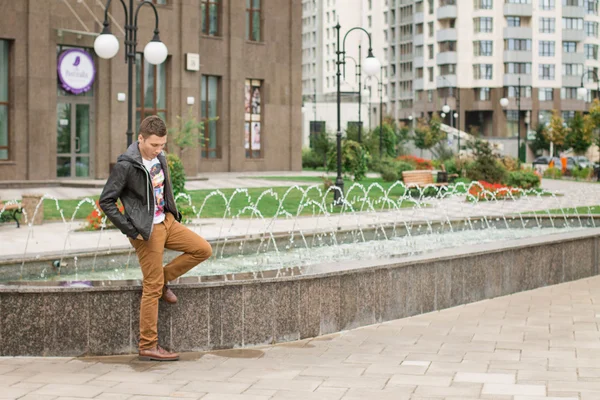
x: 512, y: 91
x: 151, y: 89
x: 483, y: 24
x: 430, y: 70
x: 547, y: 25
x: 517, y: 68
x: 483, y: 4
x: 572, y: 69
x: 591, y: 29
x: 546, y: 94
x: 517, y: 44
x: 430, y: 51
x: 209, y: 10
x: 448, y: 69
x: 253, y: 20
x: 546, y: 48
x: 568, y: 93
x: 547, y: 5
x: 591, y: 7
x: 569, y: 47
x: 513, y: 21
x: 430, y: 25
x: 430, y: 8
x: 160, y: 2
x: 483, y: 48
x: 482, y: 94
x: 482, y: 71
x: 4, y: 97
x: 253, y: 123
x: 546, y: 71
x: 209, y: 98
x: 591, y: 51
x: 572, y: 3
x: 572, y: 23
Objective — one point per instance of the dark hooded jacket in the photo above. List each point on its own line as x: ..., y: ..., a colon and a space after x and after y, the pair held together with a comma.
x: 130, y: 181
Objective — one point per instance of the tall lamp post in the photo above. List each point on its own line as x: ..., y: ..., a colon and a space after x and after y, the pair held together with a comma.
x: 106, y: 46
x: 504, y: 103
x: 357, y: 74
x: 371, y: 66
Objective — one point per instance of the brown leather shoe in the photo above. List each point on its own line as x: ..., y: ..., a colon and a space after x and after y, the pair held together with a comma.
x: 157, y: 354
x: 168, y: 295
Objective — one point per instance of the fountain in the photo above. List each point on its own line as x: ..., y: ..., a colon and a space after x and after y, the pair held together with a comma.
x: 307, y: 270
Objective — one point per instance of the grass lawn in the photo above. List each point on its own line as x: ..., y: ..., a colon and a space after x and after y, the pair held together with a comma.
x: 214, y: 207
x: 578, y: 210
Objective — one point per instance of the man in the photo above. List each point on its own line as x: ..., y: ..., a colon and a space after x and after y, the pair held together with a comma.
x: 151, y: 222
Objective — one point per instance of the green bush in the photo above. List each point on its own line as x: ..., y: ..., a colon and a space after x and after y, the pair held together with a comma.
x: 389, y: 174
x: 310, y: 159
x: 523, y: 179
x: 354, y: 159
x: 177, y: 173
x: 553, y: 173
x: 583, y: 173
x: 485, y: 167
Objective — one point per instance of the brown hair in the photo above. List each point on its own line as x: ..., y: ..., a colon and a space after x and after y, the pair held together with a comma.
x: 153, y: 125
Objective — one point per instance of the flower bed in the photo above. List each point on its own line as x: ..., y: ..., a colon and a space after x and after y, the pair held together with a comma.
x: 488, y: 191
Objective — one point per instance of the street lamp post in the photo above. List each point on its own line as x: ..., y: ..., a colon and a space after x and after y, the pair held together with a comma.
x: 106, y: 46
x: 357, y: 74
x: 371, y: 65
x: 504, y: 104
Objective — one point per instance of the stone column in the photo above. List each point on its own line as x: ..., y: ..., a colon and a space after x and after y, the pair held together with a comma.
x: 29, y: 204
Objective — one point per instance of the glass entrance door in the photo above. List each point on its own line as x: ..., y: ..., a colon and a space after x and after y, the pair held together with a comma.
x: 73, y: 144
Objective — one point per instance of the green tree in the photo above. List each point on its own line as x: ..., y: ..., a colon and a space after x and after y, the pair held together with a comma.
x: 540, y: 142
x: 388, y: 141
x: 323, y: 143
x: 427, y: 135
x: 593, y: 122
x: 579, y: 137
x: 556, y: 132
x: 187, y: 133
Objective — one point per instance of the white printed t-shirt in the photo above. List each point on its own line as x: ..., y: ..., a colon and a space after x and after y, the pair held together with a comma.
x: 157, y: 177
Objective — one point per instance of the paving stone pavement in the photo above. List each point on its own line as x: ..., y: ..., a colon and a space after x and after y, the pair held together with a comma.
x: 541, y: 344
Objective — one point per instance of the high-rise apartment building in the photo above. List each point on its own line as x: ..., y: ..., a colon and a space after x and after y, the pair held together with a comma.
x: 470, y: 54
x: 465, y: 53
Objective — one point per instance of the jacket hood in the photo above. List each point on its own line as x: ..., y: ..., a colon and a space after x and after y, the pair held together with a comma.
x: 133, y: 155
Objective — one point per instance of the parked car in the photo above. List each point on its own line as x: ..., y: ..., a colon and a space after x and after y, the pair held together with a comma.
x: 545, y: 160
x: 581, y: 162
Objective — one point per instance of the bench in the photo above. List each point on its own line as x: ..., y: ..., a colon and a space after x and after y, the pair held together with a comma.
x: 419, y: 178
x: 14, y: 209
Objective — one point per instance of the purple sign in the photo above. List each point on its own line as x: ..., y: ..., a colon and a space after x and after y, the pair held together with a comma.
x: 76, y: 70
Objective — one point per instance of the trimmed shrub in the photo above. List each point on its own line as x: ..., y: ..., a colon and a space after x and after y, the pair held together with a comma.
x: 485, y: 167
x: 354, y: 159
x: 389, y: 174
x: 523, y: 179
x: 583, y: 173
x: 553, y: 173
x: 310, y: 159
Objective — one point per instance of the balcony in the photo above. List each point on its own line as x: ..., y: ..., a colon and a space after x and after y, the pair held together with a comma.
x: 419, y: 18
x: 572, y: 35
x: 518, y: 10
x: 418, y: 62
x: 419, y: 40
x: 573, y: 58
x: 571, y: 80
x: 449, y: 34
x: 447, y: 12
x: 447, y: 57
x: 518, y: 56
x: 573, y: 12
x: 513, y: 79
x: 418, y: 84
x: 517, y: 32
x: 446, y: 81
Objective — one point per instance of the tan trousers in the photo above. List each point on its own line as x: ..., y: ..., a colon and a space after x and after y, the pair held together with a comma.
x: 171, y: 235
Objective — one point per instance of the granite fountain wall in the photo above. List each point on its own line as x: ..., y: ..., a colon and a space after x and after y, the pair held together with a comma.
x: 215, y: 313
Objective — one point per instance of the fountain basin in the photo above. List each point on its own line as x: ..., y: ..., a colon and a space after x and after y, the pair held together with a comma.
x: 63, y: 319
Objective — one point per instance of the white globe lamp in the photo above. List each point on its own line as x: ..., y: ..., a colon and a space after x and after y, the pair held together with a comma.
x: 371, y: 65
x: 155, y: 51
x: 106, y: 45
x: 504, y: 102
x: 446, y: 109
x: 582, y: 92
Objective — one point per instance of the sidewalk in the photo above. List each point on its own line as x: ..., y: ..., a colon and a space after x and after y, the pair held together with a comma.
x: 541, y: 344
x: 55, y: 237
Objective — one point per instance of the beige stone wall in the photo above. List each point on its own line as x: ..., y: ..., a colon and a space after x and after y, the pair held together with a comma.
x: 33, y: 26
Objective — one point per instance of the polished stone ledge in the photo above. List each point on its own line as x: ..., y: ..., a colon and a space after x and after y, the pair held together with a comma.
x: 73, y: 321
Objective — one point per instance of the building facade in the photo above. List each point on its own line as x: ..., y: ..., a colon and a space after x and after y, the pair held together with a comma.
x: 246, y: 87
x: 470, y: 54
